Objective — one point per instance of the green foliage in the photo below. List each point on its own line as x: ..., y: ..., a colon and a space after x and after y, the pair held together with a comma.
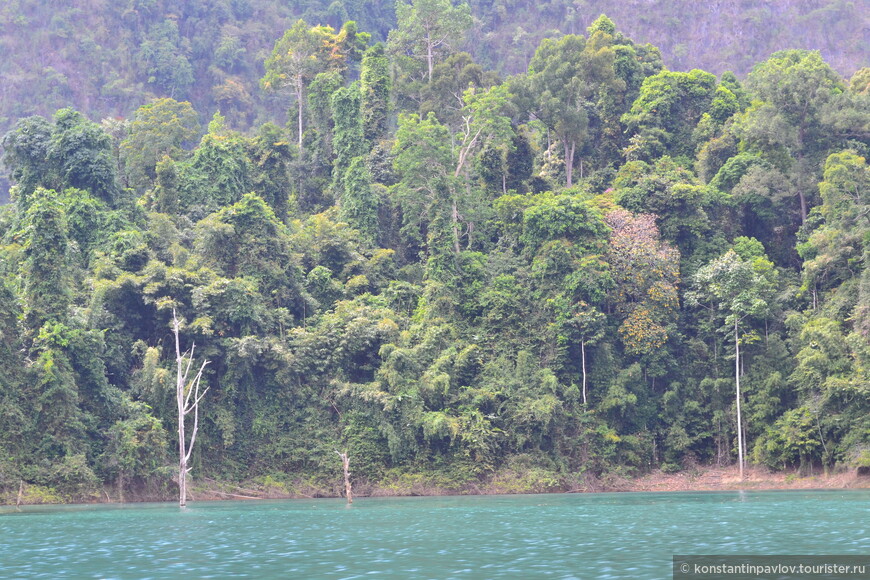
x: 375, y: 88
x: 738, y: 288
x: 305, y: 51
x: 666, y: 112
x: 160, y: 128
x: 685, y: 210
x: 161, y: 55
x: 428, y: 29
x: 359, y: 205
x: 349, y: 141
x: 414, y: 289
x: 47, y: 277
x: 219, y: 173
x: 247, y: 240
x: 271, y: 159
x: 550, y: 216
x: 565, y: 88
x: 442, y: 95
x: 792, y: 440
x: 73, y: 152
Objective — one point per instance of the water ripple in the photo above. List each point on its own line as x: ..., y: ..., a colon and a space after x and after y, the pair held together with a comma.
x: 556, y: 536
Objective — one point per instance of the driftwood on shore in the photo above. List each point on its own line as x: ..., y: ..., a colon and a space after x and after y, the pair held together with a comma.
x: 235, y: 495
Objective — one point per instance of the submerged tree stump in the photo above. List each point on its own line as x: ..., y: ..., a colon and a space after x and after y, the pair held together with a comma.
x: 345, y: 461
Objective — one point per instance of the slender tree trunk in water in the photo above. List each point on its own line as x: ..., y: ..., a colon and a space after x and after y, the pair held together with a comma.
x: 182, y: 451
x: 345, y: 461
x: 182, y: 483
x: 739, y: 418
x: 583, y: 355
x: 185, y: 391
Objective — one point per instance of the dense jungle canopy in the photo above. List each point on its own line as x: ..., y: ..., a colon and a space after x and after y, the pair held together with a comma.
x: 418, y: 233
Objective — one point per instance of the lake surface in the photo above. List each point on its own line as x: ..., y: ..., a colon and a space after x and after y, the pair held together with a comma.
x: 531, y: 536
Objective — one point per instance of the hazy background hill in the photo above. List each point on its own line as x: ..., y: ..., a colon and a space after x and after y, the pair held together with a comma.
x: 714, y: 35
x: 108, y: 58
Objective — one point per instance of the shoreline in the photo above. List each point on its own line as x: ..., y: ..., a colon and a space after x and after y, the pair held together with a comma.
x: 697, y: 479
x: 755, y: 479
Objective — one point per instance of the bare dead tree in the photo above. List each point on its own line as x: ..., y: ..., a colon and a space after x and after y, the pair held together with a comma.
x: 345, y: 461
x: 187, y: 397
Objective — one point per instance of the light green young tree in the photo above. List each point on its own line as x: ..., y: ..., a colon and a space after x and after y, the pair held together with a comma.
x: 484, y: 123
x: 159, y: 129
x: 429, y: 165
x: 737, y: 290
x: 833, y: 249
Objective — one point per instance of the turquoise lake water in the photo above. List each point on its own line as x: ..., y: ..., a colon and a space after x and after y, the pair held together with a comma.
x: 530, y: 536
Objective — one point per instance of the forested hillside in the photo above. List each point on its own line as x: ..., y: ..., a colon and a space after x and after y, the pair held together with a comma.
x: 596, y: 266
x: 106, y: 59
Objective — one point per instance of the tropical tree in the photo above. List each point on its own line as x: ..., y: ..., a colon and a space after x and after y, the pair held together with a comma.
x: 429, y: 29
x: 646, y: 272
x: 162, y: 128
x: 71, y: 152
x: 666, y: 112
x: 48, y: 287
x: 738, y: 291
x: 561, y: 88
x: 375, y: 86
x: 302, y: 53
x: 794, y: 87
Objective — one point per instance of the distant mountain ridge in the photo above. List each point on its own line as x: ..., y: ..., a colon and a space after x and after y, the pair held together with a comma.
x: 108, y: 58
x: 714, y: 36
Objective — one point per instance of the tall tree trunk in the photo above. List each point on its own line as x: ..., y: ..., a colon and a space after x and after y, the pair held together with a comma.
x: 569, y: 163
x: 739, y: 417
x: 179, y: 399
x: 583, y: 365
x: 429, y: 56
x: 454, y: 216
x: 299, y: 88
